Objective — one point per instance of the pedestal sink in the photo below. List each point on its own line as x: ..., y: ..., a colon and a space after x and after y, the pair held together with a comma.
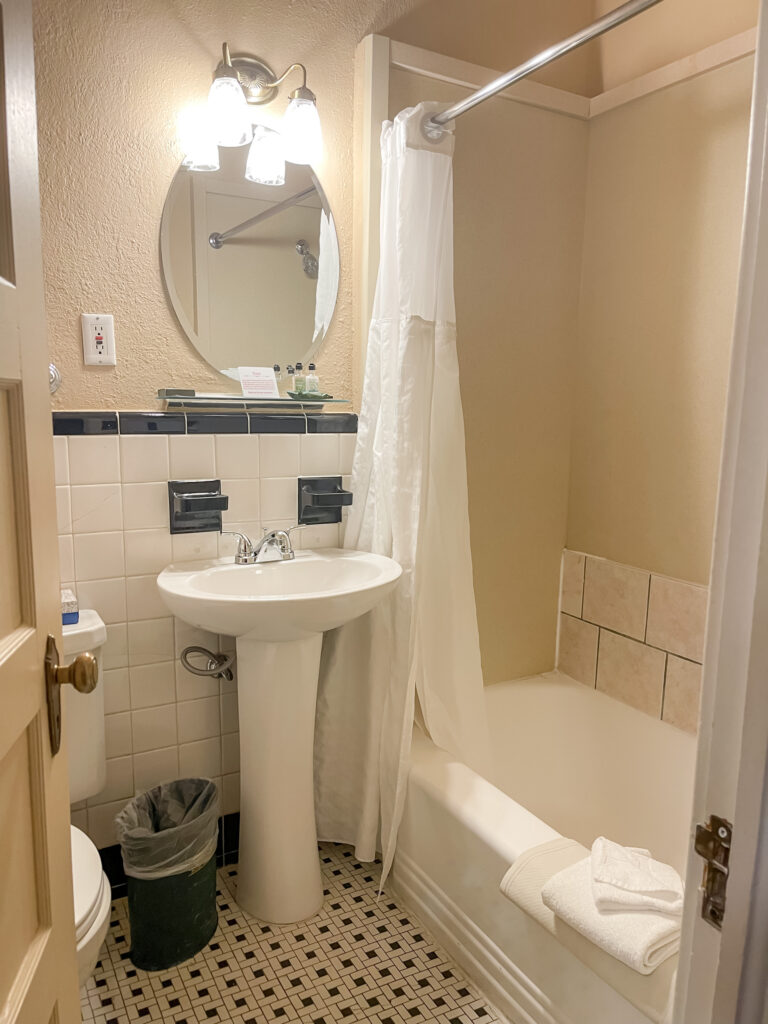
x: 278, y: 612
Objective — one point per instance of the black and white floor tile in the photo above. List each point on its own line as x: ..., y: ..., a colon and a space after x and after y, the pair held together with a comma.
x: 360, y: 959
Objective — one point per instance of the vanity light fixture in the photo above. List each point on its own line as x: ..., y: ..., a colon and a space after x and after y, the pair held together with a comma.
x: 242, y: 81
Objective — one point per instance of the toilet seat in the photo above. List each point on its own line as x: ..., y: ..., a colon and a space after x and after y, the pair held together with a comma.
x: 89, y: 883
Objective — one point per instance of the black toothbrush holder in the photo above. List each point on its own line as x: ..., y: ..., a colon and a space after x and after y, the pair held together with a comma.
x: 321, y: 499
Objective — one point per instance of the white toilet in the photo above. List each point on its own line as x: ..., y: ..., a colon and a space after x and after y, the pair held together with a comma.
x: 83, y: 720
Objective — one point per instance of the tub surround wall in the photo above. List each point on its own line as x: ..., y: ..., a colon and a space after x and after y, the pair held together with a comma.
x: 634, y: 635
x: 662, y: 229
x: 161, y: 721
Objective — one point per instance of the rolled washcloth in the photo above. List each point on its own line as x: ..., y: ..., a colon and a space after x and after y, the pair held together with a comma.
x: 642, y: 941
x: 626, y: 878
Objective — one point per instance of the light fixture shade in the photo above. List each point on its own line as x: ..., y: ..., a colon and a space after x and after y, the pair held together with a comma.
x: 229, y: 113
x: 301, y: 132
x: 196, y: 140
x: 266, y: 159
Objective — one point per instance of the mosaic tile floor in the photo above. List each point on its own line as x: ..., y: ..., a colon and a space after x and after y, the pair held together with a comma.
x: 358, y: 960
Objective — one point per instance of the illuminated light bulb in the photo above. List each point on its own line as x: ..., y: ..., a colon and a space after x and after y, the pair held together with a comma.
x: 196, y: 140
x: 301, y: 131
x: 266, y: 159
x: 228, y: 111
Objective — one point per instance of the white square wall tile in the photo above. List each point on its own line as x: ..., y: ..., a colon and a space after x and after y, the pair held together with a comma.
x: 145, y: 506
x: 237, y: 456
x: 146, y: 551
x: 150, y: 641
x: 154, y: 728
x: 101, y: 823
x: 143, y: 598
x: 229, y: 715
x: 279, y: 498
x: 192, y: 687
x: 152, y: 685
x: 230, y: 752
x: 320, y: 455
x: 96, y: 508
x: 117, y: 693
x: 99, y: 556
x: 61, y: 460
x: 144, y: 459
x: 322, y: 535
x: 119, y: 784
x: 279, y: 455
x: 198, y: 719
x: 107, y: 597
x: 202, y: 758
x: 94, y: 460
x: 63, y: 510
x: 186, y: 547
x: 346, y: 452
x: 66, y: 558
x: 243, y: 500
x: 114, y: 653
x: 153, y: 767
x: 118, y: 734
x: 190, y: 636
x: 230, y: 797
x: 192, y: 457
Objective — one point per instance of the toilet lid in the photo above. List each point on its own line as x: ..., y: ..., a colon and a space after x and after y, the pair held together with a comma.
x: 88, y: 881
x: 88, y: 634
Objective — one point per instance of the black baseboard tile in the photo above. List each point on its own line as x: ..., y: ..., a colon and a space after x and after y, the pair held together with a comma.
x: 217, y: 423
x: 332, y: 423
x: 277, y: 423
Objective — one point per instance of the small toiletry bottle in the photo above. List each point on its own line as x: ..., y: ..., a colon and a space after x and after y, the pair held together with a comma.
x: 278, y: 375
x: 313, y: 381
x: 289, y: 385
x: 299, y: 379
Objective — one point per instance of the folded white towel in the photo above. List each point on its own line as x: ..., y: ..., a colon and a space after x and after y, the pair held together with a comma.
x: 641, y: 941
x: 627, y: 878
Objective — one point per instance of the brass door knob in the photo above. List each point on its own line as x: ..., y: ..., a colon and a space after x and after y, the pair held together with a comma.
x: 83, y: 673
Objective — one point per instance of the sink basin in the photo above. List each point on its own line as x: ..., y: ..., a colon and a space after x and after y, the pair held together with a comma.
x: 278, y: 611
x: 278, y: 601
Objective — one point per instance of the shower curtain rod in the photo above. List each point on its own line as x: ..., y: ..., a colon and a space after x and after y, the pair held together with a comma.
x: 433, y: 127
x: 217, y: 238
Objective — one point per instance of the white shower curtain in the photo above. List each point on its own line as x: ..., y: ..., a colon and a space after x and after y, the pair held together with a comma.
x: 410, y: 502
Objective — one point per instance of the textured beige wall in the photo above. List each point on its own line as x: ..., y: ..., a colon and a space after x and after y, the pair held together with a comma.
x: 519, y: 178
x: 111, y: 78
x: 663, y: 221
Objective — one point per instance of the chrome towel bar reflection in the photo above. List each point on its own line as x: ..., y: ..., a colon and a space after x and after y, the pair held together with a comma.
x: 217, y: 238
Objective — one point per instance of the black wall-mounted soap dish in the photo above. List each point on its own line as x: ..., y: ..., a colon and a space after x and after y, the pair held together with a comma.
x: 195, y: 506
x: 321, y: 499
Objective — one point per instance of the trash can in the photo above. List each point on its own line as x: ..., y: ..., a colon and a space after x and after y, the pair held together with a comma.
x: 168, y: 842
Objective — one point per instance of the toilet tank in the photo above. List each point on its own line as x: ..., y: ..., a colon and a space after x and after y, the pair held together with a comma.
x: 83, y: 713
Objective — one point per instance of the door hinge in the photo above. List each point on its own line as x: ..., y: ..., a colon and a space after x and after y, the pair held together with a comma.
x: 713, y: 843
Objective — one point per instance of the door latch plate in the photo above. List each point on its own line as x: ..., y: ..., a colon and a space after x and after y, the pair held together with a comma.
x: 713, y: 843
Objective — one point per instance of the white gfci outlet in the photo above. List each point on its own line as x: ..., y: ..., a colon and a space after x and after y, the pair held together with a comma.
x: 98, y: 339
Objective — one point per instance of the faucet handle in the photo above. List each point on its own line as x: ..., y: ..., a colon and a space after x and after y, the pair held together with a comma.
x: 245, y: 552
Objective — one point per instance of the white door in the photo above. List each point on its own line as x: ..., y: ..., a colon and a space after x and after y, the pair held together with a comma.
x: 38, y: 974
x: 733, y: 739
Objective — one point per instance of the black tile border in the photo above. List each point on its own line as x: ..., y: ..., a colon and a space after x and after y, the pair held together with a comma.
x: 76, y: 424
x: 227, y: 847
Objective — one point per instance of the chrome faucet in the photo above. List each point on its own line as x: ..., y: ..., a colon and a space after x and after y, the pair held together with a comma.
x: 274, y: 546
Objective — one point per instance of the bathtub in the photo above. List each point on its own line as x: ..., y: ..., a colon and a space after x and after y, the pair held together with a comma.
x: 568, y: 761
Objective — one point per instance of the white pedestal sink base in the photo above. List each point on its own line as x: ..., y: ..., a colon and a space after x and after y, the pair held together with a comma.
x: 279, y: 869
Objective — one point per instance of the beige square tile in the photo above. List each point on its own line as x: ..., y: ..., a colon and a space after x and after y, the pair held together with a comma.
x: 152, y: 767
x: 616, y: 596
x: 152, y: 685
x: 572, y: 592
x: 279, y: 455
x: 230, y: 801
x: 149, y: 641
x: 144, y: 459
x: 682, y: 694
x: 578, y: 649
x: 154, y: 728
x: 631, y: 672
x: 61, y: 460
x: 237, y: 456
x: 677, y: 614
x: 119, y: 783
x: 201, y: 758
x: 107, y: 597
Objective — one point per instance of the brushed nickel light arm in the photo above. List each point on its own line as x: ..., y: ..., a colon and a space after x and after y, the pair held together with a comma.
x: 259, y: 82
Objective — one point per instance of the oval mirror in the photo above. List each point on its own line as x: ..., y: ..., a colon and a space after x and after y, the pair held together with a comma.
x: 251, y: 271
